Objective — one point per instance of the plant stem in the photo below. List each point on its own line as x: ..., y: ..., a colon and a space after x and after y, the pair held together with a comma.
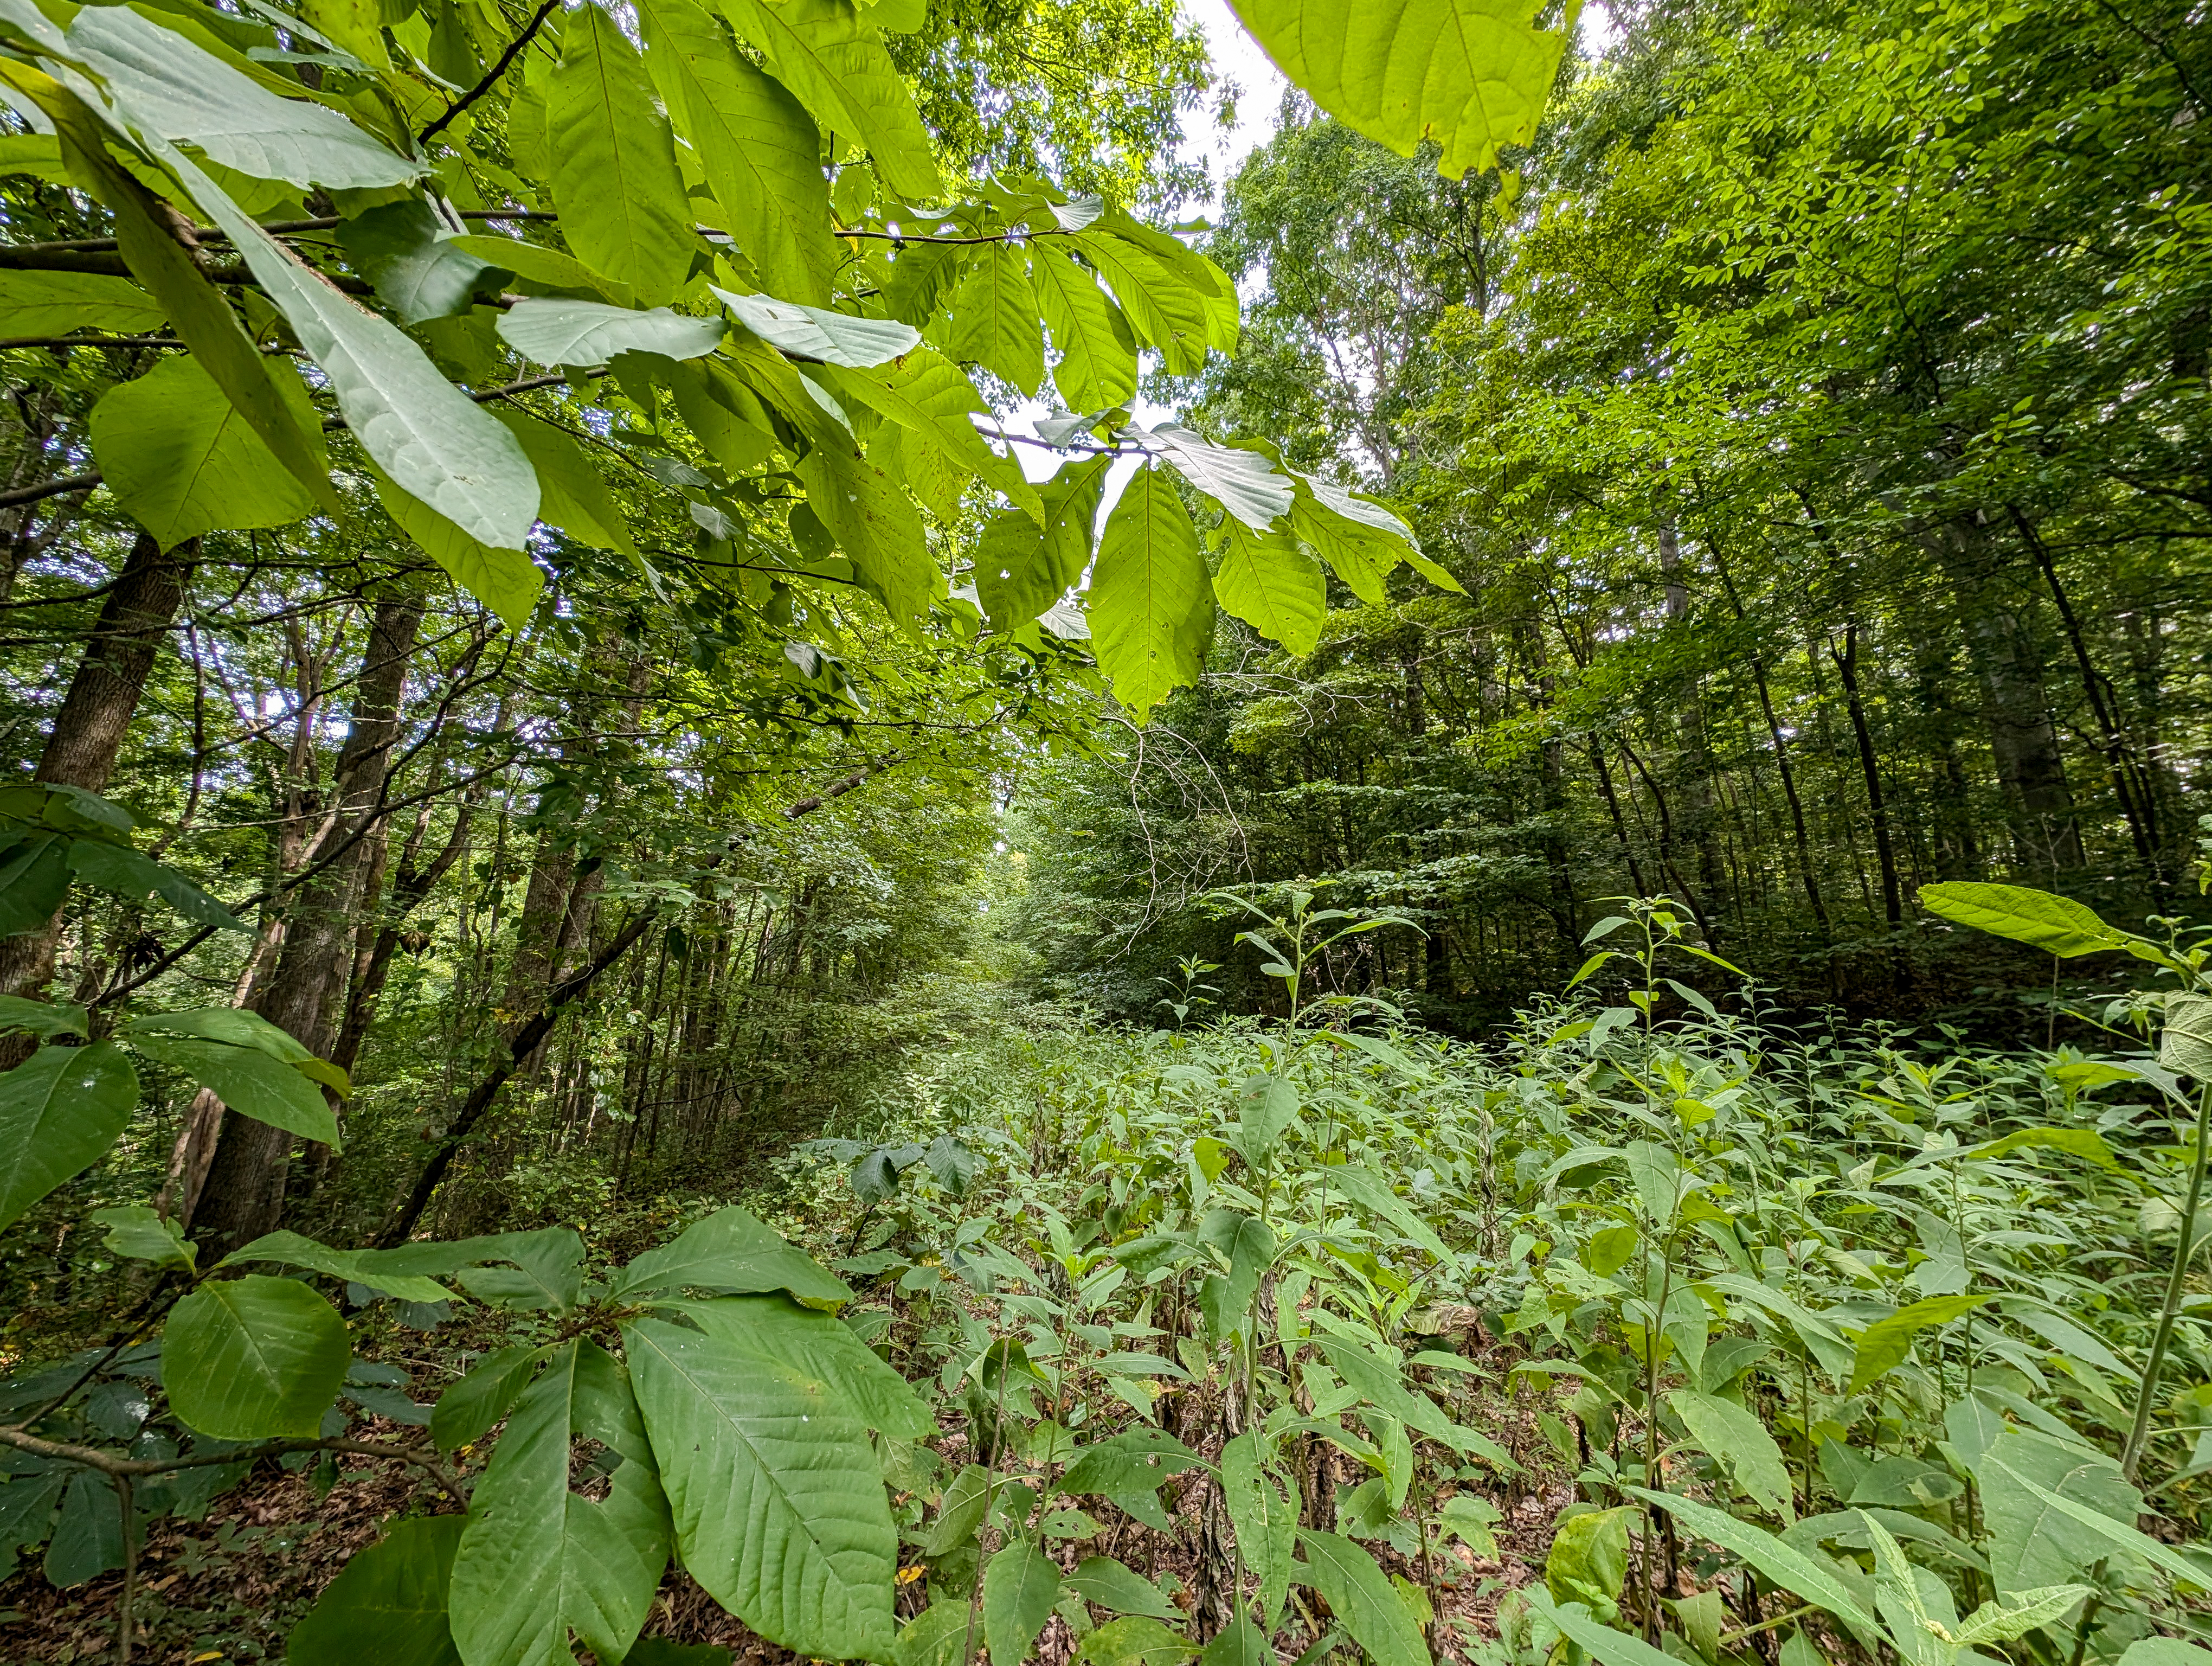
x: 2131, y: 1453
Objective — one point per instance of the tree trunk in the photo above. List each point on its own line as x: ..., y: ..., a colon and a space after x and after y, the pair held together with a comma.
x: 244, y: 1195
x: 1847, y: 664
x: 95, y: 713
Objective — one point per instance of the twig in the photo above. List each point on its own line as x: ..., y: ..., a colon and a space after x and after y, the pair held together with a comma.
x: 120, y: 1470
x: 491, y: 78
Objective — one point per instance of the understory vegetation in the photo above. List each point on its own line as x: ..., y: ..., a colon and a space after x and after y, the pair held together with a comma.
x: 786, y: 876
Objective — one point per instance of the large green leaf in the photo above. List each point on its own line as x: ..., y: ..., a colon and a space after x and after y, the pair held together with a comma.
x: 182, y: 461
x: 1742, y: 1444
x: 120, y: 871
x: 136, y: 1232
x: 877, y: 526
x: 415, y: 262
x: 1021, y: 570
x: 1020, y: 1585
x: 1470, y: 74
x: 2057, y: 924
x: 1138, y: 1460
x: 1787, y: 1567
x: 994, y: 321
x: 1265, y: 1516
x: 372, y: 1267
x: 1883, y: 1345
x: 254, y: 1357
x: 204, y: 319
x: 466, y: 1411
x: 1226, y: 1298
x: 437, y: 445
x: 1363, y: 1599
x: 248, y: 1081
x: 34, y: 878
x: 930, y: 397
x: 1242, y: 481
x: 1150, y: 600
x: 1106, y: 1583
x: 2034, y: 1491
x: 624, y: 209
x: 54, y: 303
x: 822, y: 1347
x: 858, y: 344
x: 1271, y: 582
x: 60, y: 1109
x: 539, y: 1561
x: 1604, y: 1645
x: 167, y: 86
x: 778, y: 1497
x: 1163, y: 307
x: 760, y: 153
x: 503, y: 577
x: 834, y: 61
x: 1097, y: 366
x: 88, y: 1539
x: 388, y: 1603
x: 585, y: 332
x: 572, y: 494
x: 1135, y: 1640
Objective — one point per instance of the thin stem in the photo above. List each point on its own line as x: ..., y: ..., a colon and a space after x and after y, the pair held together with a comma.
x: 2183, y: 1253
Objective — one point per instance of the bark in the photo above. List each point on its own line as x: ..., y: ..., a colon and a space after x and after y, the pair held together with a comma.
x: 244, y: 1195
x: 1700, y: 817
x: 1847, y: 662
x: 103, y: 697
x: 1797, y: 829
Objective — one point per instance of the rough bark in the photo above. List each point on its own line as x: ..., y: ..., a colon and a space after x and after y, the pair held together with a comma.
x: 244, y: 1194
x: 103, y: 696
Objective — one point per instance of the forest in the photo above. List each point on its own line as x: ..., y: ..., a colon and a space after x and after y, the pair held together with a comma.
x: 913, y: 831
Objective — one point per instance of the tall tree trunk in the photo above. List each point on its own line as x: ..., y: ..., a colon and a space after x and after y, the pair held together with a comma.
x: 1847, y: 668
x: 244, y: 1195
x: 1700, y: 819
x: 88, y: 733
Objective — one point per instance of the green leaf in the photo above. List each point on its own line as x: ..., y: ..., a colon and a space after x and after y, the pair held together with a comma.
x: 254, y: 1358
x: 1587, y: 1562
x: 754, y: 143
x: 415, y: 263
x: 537, y: 1559
x: 134, y: 1232
x: 374, y: 1268
x: 123, y: 872
x: 2025, y: 1611
x: 1274, y: 584
x: 1020, y: 1585
x: 994, y: 321
x: 550, y: 269
x: 1134, y: 1640
x: 548, y: 1275
x: 1150, y: 600
x: 60, y: 1109
x: 2085, y: 1143
x: 930, y: 397
x: 572, y: 494
x: 248, y: 1081
x: 1164, y: 310
x: 876, y: 526
x: 1227, y: 1299
x: 623, y: 208
x: 809, y: 332
x: 2058, y: 925
x: 1471, y: 75
x: 1243, y: 483
x: 585, y: 332
x: 1137, y: 1460
x: 1265, y: 1518
x: 2053, y: 1508
x: 1601, y: 1642
x: 1742, y: 1444
x: 466, y: 1411
x: 732, y: 1253
x: 55, y: 303
x: 167, y: 86
x: 1021, y: 571
x: 834, y: 61
x: 1372, y: 1193
x: 503, y: 579
x: 1097, y: 366
x: 45, y: 1019
x: 34, y: 876
x: 778, y: 1497
x: 1362, y: 1600
x: 1266, y: 1109
x: 1106, y: 1583
x: 1884, y: 1344
x: 437, y: 445
x: 87, y: 1538
x: 822, y: 1347
x: 1788, y: 1568
x: 181, y: 460
x: 388, y: 1604
x: 2185, y: 1043
x: 2165, y: 1651
x: 938, y: 1636
x: 204, y: 319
